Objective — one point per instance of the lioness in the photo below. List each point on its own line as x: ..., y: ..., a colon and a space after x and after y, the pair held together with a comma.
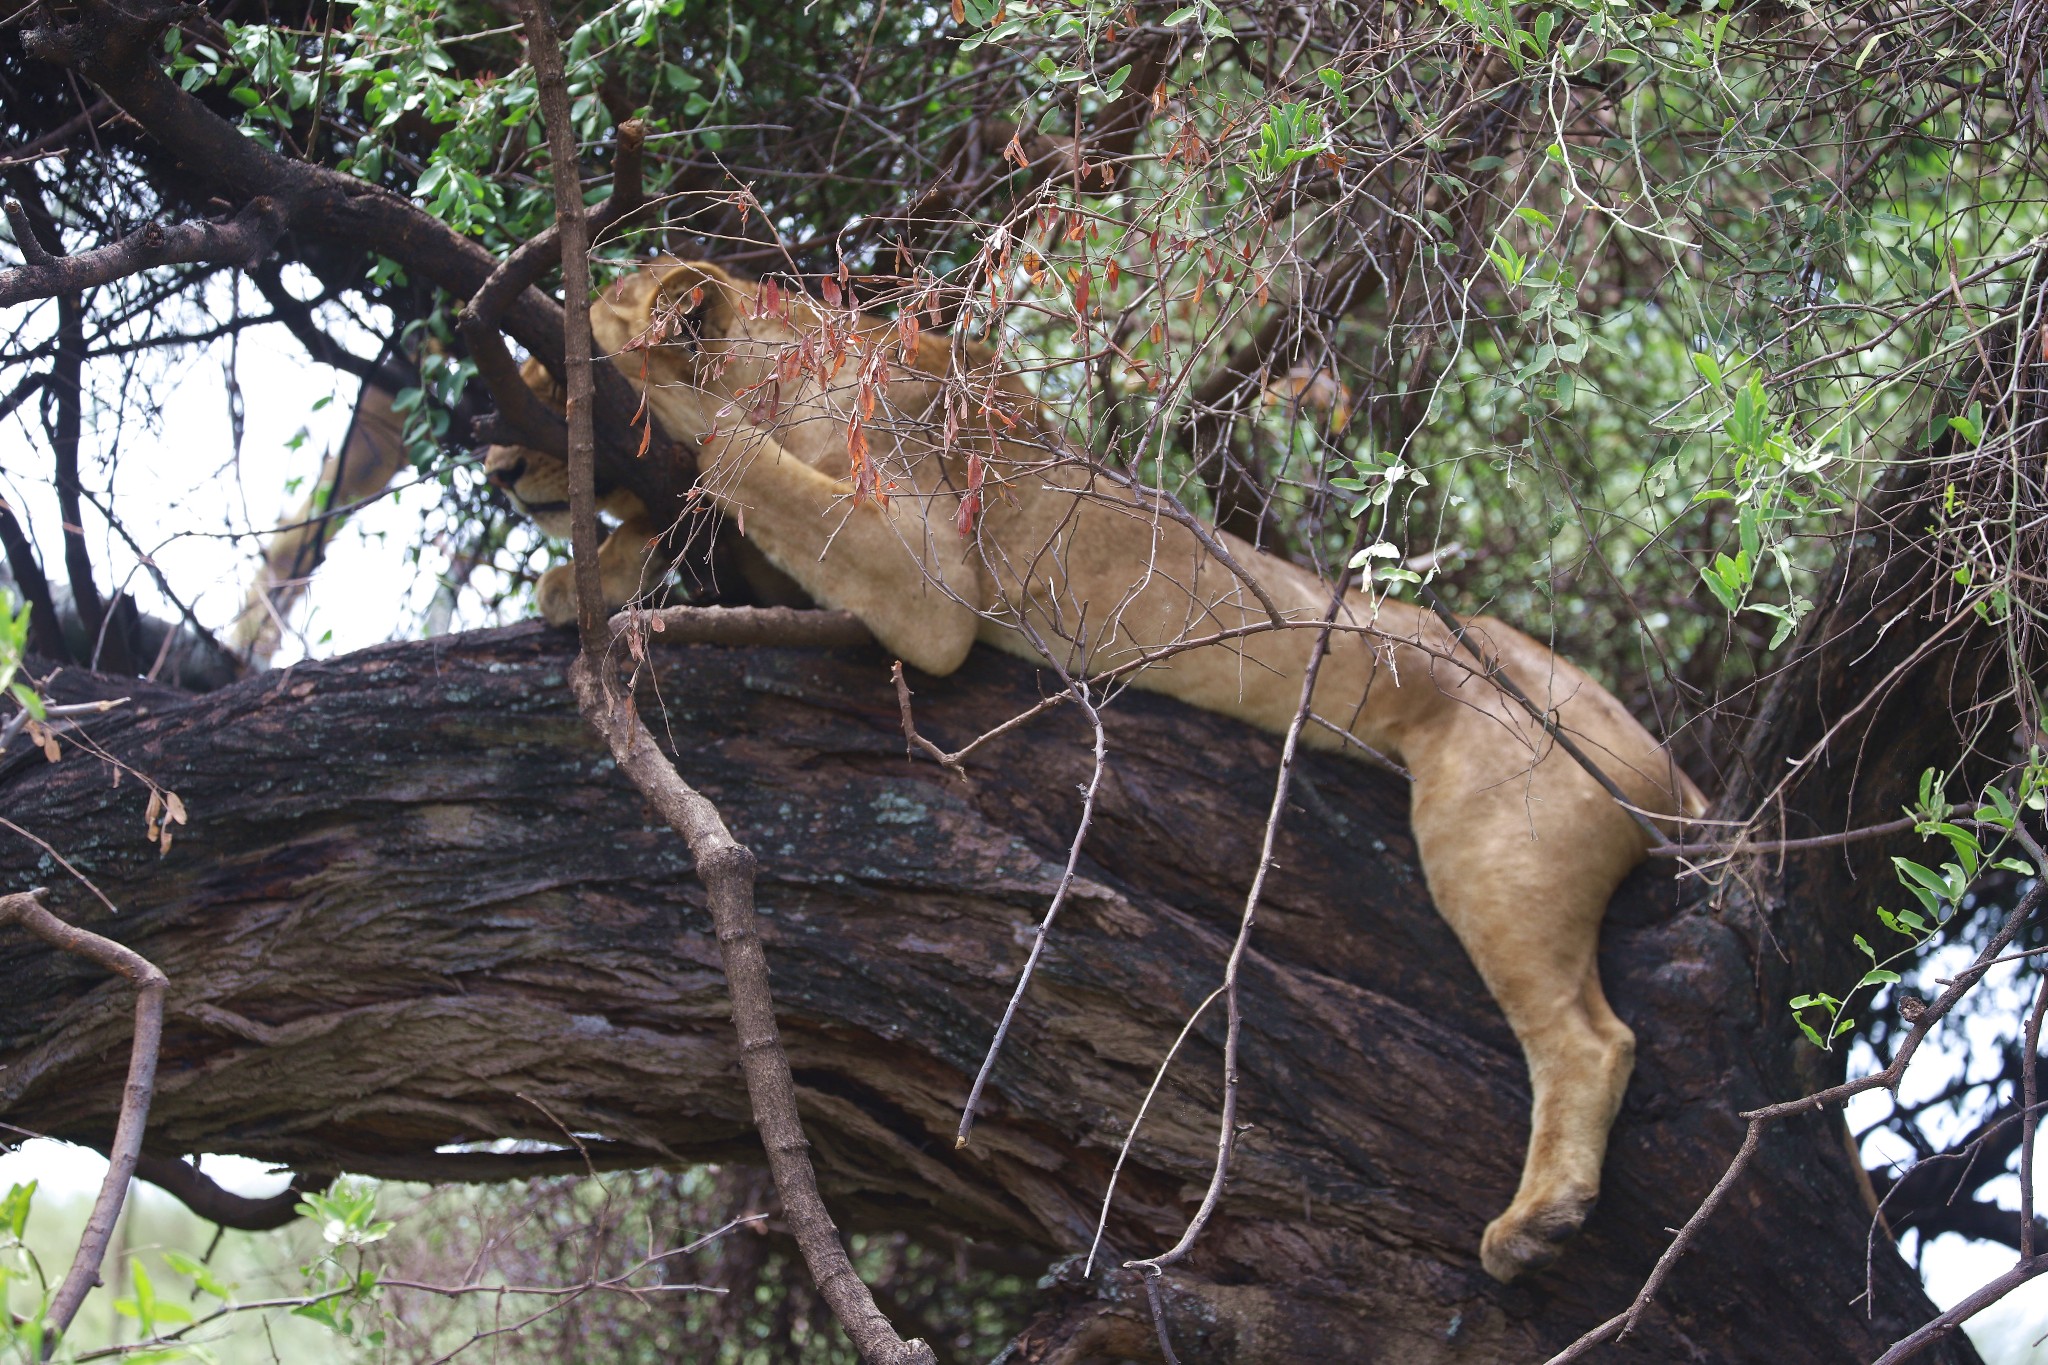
x: 933, y: 508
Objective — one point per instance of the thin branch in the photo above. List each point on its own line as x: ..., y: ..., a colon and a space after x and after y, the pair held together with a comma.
x: 1620, y: 1323
x: 531, y: 260
x: 725, y: 866
x: 26, y: 910
x: 56, y: 141
x: 522, y: 419
x: 203, y: 636
x: 61, y: 861
x: 1123, y: 1150
x: 243, y: 240
x: 1226, y: 1134
x: 572, y: 231
x: 912, y: 740
x: 1847, y: 836
x: 2030, y: 1124
x: 1079, y: 690
x: 1976, y: 1302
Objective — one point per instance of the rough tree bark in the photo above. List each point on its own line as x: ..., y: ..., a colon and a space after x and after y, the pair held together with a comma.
x: 416, y: 905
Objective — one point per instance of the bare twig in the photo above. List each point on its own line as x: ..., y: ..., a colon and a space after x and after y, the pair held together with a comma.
x: 1124, y: 1149
x: 2030, y: 1123
x: 26, y: 910
x: 1153, y: 1300
x: 62, y: 862
x: 1079, y: 691
x: 912, y: 740
x: 1226, y: 1133
x: 1620, y: 1323
x: 1847, y: 836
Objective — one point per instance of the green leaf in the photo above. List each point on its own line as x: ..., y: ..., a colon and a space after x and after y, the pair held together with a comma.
x: 196, y: 1271
x: 1722, y: 593
x: 1924, y: 876
x: 30, y: 702
x: 14, y: 1209
x: 1878, y: 976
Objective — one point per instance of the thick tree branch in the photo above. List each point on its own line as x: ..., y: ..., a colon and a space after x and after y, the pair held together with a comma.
x: 45, y: 632
x: 105, y: 647
x: 198, y: 1192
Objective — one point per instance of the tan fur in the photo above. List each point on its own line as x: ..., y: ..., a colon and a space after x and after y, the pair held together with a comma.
x: 371, y: 456
x: 1520, y: 846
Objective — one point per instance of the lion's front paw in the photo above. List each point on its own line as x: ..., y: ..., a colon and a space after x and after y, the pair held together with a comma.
x: 1528, y: 1238
x: 556, y: 594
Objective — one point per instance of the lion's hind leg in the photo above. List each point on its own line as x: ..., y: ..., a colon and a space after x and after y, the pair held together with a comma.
x: 1528, y: 911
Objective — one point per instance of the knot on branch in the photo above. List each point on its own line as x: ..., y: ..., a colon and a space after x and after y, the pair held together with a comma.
x: 728, y: 863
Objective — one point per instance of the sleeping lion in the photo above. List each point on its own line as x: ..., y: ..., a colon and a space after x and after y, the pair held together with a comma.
x: 920, y: 491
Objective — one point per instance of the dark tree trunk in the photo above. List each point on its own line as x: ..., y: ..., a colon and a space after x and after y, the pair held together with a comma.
x: 415, y: 906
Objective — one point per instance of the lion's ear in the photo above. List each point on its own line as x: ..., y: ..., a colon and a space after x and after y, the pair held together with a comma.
x: 696, y: 300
